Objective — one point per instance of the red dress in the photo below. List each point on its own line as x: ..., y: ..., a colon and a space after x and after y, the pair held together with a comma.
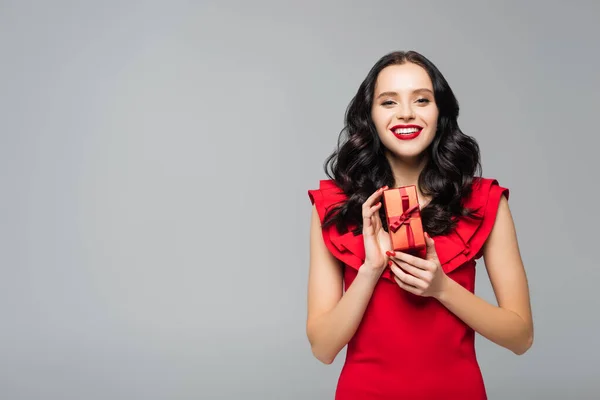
x: 408, y: 346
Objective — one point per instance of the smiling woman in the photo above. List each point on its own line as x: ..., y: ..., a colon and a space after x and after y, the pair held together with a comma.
x: 405, y: 107
x: 409, y: 320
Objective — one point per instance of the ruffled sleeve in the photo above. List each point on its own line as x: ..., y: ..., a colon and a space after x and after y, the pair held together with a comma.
x: 466, y: 242
x: 346, y: 247
x: 463, y: 244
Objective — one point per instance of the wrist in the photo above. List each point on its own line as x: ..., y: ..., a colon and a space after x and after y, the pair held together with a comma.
x: 445, y: 287
x: 369, y: 272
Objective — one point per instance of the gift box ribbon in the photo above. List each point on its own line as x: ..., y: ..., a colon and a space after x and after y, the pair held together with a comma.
x: 404, y: 219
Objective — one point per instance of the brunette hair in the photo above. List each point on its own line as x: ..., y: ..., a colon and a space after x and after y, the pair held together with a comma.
x: 359, y: 167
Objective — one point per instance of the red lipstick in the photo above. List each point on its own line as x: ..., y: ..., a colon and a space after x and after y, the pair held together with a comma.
x: 414, y: 131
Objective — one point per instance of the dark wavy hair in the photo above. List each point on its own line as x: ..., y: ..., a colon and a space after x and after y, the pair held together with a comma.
x: 359, y: 166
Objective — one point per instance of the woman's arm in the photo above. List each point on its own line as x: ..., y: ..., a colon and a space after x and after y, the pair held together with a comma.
x: 509, y: 324
x: 333, y: 317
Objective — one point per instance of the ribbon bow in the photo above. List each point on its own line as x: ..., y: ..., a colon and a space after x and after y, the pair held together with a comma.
x: 397, y: 221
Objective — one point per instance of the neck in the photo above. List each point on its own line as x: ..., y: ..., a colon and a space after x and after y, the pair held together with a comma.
x: 407, y: 171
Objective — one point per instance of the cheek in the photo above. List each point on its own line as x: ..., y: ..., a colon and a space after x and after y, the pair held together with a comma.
x: 379, y: 119
x: 431, y: 116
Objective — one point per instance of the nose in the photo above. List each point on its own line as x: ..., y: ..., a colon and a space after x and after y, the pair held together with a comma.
x: 405, y: 113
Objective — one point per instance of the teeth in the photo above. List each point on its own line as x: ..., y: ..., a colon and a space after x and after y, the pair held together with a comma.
x: 405, y: 131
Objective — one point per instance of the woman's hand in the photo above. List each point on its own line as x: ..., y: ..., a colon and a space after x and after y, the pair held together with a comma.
x: 423, y: 277
x: 376, y: 239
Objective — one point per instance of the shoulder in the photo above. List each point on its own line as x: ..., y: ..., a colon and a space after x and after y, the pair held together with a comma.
x: 484, y: 201
x: 326, y: 196
x: 327, y: 186
x: 344, y: 246
x: 470, y: 234
x: 484, y: 190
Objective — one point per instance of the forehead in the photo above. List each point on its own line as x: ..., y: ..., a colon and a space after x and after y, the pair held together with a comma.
x: 402, y: 78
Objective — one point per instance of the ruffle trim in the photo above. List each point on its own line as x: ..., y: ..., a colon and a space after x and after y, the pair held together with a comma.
x: 465, y: 243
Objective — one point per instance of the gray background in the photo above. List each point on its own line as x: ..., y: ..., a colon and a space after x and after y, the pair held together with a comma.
x: 155, y: 159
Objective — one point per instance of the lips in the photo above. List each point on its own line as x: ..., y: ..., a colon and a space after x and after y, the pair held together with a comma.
x: 406, y: 132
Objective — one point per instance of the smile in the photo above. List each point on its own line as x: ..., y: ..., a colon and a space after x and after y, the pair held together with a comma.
x: 406, y: 132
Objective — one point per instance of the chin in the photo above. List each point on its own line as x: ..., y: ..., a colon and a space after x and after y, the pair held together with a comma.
x: 407, y: 151
x: 408, y: 156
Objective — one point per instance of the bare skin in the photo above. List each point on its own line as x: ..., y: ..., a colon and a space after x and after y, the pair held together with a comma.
x: 401, y: 96
x: 332, y: 317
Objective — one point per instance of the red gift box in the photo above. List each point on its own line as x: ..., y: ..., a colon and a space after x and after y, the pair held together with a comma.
x: 403, y: 216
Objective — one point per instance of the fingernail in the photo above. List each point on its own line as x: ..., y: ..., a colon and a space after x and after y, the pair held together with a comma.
x: 390, y: 253
x: 390, y: 263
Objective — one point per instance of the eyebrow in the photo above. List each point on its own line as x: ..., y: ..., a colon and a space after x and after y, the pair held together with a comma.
x: 396, y: 94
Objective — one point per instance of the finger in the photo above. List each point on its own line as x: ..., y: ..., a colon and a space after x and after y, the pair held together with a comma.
x: 367, y: 227
x: 373, y: 198
x: 415, y: 261
x: 370, y: 222
x: 412, y: 270
x: 431, y: 252
x: 408, y: 279
x: 369, y: 213
x: 375, y: 217
x: 408, y: 288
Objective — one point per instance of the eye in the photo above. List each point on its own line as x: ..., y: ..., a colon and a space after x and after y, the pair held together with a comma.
x: 387, y: 103
x: 423, y: 101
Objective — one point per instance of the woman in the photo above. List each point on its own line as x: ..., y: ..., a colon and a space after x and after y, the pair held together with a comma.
x: 409, y: 319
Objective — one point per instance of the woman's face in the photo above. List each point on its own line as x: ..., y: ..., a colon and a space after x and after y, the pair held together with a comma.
x: 404, y: 110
